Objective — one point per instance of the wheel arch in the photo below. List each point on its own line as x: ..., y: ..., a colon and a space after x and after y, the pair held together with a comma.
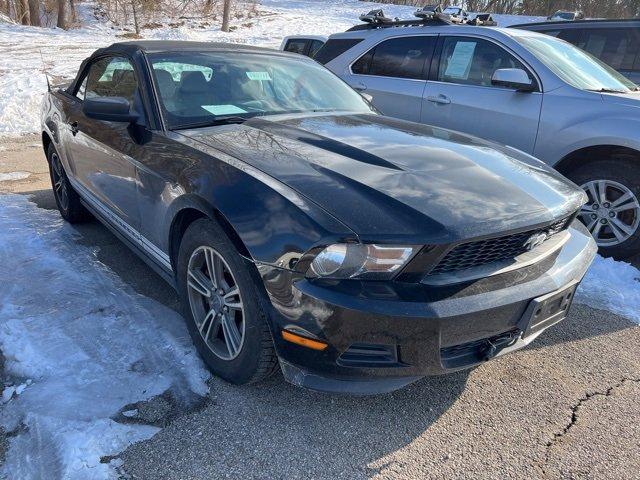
x: 593, y: 153
x: 46, y: 141
x: 188, y: 211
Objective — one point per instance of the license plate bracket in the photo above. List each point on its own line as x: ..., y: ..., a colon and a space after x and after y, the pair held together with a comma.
x: 542, y: 312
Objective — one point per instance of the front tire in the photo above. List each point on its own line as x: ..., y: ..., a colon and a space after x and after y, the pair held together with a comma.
x: 67, y: 199
x: 224, y: 306
x: 612, y: 213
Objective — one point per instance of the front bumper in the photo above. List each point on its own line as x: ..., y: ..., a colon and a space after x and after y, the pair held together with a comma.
x: 409, y: 330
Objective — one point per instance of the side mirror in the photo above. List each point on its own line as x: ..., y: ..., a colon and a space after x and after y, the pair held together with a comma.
x: 513, y: 78
x: 110, y: 109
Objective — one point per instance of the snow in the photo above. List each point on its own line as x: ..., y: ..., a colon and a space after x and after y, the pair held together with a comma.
x: 613, y: 286
x: 22, y: 82
x: 80, y: 346
x: 12, y: 176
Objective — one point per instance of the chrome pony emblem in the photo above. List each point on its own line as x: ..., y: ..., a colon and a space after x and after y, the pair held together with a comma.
x: 535, y: 240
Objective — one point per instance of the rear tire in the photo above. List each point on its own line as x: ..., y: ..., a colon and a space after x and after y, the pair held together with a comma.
x: 247, y: 354
x: 67, y: 199
x: 614, y: 222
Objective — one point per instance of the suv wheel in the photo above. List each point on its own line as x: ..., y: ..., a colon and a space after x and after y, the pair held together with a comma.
x: 67, y: 199
x: 612, y: 213
x: 223, y: 306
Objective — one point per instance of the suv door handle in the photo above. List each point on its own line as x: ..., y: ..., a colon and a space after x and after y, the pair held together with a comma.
x: 361, y: 87
x: 74, y: 128
x: 441, y: 99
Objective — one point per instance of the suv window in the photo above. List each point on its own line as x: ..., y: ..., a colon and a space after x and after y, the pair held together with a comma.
x: 109, y: 77
x: 333, y: 48
x: 614, y: 46
x: 296, y: 45
x: 314, y: 47
x: 402, y: 57
x: 472, y: 61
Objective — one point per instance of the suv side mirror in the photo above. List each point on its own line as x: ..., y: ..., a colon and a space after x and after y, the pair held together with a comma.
x: 110, y: 109
x: 513, y: 78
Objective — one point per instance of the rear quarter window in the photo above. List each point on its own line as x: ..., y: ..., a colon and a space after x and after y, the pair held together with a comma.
x: 335, y: 47
x: 401, y: 57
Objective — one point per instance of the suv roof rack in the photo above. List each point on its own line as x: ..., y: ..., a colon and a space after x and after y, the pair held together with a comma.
x: 483, y: 20
x: 376, y: 19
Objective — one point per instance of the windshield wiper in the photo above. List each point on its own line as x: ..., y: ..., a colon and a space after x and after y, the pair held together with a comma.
x: 606, y: 90
x: 226, y: 120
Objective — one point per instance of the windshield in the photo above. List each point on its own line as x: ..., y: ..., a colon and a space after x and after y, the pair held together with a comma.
x: 563, y: 16
x: 576, y: 67
x: 200, y: 88
x: 452, y: 10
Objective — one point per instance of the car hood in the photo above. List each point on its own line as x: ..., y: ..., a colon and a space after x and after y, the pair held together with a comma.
x: 628, y: 99
x: 395, y: 181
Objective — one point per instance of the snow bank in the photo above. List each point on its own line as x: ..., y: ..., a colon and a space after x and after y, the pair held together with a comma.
x: 613, y: 286
x: 80, y: 346
x: 22, y: 82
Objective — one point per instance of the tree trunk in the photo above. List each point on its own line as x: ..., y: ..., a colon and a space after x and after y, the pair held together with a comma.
x: 135, y: 17
x: 22, y: 12
x: 74, y: 14
x: 226, y: 10
x: 34, y: 12
x: 62, y: 15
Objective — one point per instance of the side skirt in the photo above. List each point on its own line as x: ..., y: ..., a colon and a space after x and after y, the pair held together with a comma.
x: 147, y: 251
x: 166, y: 276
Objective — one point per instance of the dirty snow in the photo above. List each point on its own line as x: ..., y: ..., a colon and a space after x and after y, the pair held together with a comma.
x: 13, y: 176
x: 613, y: 286
x: 22, y: 83
x: 79, y: 346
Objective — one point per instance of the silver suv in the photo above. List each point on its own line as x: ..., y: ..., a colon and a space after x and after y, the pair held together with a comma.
x: 530, y: 91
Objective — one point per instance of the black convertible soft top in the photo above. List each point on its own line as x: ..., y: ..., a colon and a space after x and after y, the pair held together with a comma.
x: 151, y: 46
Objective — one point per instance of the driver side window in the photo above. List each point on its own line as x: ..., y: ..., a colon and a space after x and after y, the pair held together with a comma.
x: 472, y: 61
x: 109, y: 77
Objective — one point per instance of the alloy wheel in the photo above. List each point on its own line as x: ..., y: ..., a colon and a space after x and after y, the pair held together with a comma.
x: 612, y: 214
x: 60, y: 186
x: 216, y: 304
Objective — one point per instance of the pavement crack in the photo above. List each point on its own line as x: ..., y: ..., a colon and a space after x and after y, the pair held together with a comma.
x: 576, y: 408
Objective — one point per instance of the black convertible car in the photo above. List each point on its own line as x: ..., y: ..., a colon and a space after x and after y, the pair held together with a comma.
x: 303, y: 229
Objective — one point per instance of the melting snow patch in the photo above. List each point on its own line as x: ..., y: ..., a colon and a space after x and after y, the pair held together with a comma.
x: 88, y: 343
x: 613, y: 286
x: 12, y: 176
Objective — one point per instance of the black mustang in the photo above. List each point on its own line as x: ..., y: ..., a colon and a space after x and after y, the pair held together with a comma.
x: 303, y: 229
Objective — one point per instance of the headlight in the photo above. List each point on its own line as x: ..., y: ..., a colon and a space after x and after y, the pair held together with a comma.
x: 350, y: 260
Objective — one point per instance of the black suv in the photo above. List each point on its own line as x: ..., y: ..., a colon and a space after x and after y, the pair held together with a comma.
x: 615, y: 42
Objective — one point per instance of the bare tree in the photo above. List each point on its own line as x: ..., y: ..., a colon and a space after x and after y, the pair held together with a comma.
x: 62, y: 14
x: 22, y: 12
x: 226, y: 10
x: 135, y: 17
x: 34, y: 12
x: 73, y: 12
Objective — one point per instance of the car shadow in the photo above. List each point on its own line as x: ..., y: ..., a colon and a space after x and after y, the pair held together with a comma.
x: 116, y: 255
x: 351, y: 437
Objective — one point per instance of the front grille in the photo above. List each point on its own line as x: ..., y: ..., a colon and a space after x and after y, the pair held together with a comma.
x: 483, y: 252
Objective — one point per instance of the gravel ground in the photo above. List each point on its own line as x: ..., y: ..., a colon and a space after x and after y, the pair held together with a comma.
x: 565, y: 407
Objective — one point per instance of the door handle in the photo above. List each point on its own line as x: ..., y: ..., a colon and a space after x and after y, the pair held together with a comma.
x: 74, y: 128
x: 361, y: 87
x: 441, y: 99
